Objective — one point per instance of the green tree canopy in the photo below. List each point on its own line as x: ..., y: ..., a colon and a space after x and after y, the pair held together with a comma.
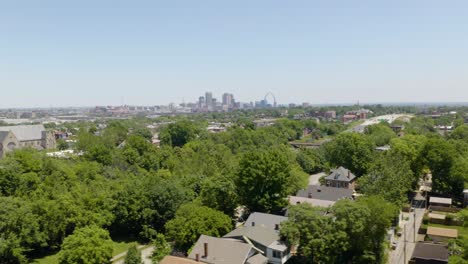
x: 440, y: 157
x: 353, y: 151
x: 179, y: 133
x: 263, y: 179
x: 193, y: 220
x: 380, y: 134
x: 133, y: 256
x: 390, y: 177
x: 88, y: 245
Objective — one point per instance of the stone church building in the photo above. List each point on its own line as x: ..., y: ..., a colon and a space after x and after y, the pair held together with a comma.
x: 25, y: 136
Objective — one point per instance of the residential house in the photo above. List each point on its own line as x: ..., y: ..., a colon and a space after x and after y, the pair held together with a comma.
x: 296, y: 200
x: 321, y: 196
x: 430, y: 253
x: 438, y: 234
x: 214, y: 250
x: 262, y: 231
x: 24, y: 136
x: 341, y: 178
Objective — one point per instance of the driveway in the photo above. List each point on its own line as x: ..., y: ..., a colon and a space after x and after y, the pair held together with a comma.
x: 314, y: 178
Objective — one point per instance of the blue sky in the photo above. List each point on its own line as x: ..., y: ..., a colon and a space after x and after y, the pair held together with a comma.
x: 88, y: 52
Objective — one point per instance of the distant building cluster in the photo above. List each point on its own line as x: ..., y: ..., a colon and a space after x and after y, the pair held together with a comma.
x: 208, y: 103
x: 356, y: 115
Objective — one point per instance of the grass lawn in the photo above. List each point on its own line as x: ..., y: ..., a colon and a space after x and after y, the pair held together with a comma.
x: 119, y: 247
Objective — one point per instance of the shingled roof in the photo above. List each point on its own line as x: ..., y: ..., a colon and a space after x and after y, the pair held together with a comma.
x: 259, y: 234
x: 266, y: 220
x: 221, y: 250
x: 430, y: 251
x: 341, y: 174
x: 325, y: 193
x: 25, y: 132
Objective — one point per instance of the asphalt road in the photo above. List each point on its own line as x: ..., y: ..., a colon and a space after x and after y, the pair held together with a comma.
x: 397, y: 256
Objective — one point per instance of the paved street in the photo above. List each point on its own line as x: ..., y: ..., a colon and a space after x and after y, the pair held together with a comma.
x: 397, y: 256
x: 375, y: 120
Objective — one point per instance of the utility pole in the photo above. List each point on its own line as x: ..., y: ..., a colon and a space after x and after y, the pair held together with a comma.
x: 404, y: 246
x: 414, y: 225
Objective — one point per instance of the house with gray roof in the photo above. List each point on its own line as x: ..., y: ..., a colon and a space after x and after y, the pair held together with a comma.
x: 25, y: 136
x: 269, y: 221
x: 430, y: 253
x: 341, y: 178
x: 214, y: 250
x: 321, y: 196
x: 326, y: 193
x: 262, y: 231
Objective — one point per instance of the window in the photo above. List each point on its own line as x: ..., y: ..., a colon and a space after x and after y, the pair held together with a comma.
x: 277, y: 254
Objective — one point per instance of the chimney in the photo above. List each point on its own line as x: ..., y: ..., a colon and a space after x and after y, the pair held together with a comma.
x: 206, y: 249
x: 349, y: 174
x: 197, y: 257
x: 253, y: 223
x: 276, y: 227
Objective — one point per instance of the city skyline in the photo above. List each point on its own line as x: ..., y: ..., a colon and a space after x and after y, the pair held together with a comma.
x: 154, y: 53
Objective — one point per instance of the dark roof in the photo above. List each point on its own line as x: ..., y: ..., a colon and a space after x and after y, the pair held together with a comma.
x: 266, y: 220
x: 341, y: 174
x: 431, y: 251
x: 325, y: 193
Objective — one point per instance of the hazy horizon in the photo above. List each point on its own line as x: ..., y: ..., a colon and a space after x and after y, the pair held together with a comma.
x: 87, y: 53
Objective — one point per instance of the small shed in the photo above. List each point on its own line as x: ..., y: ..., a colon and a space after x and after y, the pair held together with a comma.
x: 439, y: 201
x: 438, y: 234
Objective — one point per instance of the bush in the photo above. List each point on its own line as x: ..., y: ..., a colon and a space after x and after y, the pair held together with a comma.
x: 133, y: 256
x: 425, y: 220
x: 449, y: 219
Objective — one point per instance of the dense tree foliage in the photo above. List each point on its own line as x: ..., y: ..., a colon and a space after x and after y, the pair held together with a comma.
x: 332, y: 238
x: 193, y: 220
x: 380, y: 134
x: 133, y: 256
x: 88, y: 245
x: 179, y: 133
x: 351, y: 150
x: 264, y: 179
x: 161, y: 248
x: 123, y: 184
x: 389, y: 176
x: 311, y: 160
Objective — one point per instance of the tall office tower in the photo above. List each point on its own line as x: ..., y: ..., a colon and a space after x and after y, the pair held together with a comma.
x: 228, y: 99
x: 209, y: 100
x: 201, y: 102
